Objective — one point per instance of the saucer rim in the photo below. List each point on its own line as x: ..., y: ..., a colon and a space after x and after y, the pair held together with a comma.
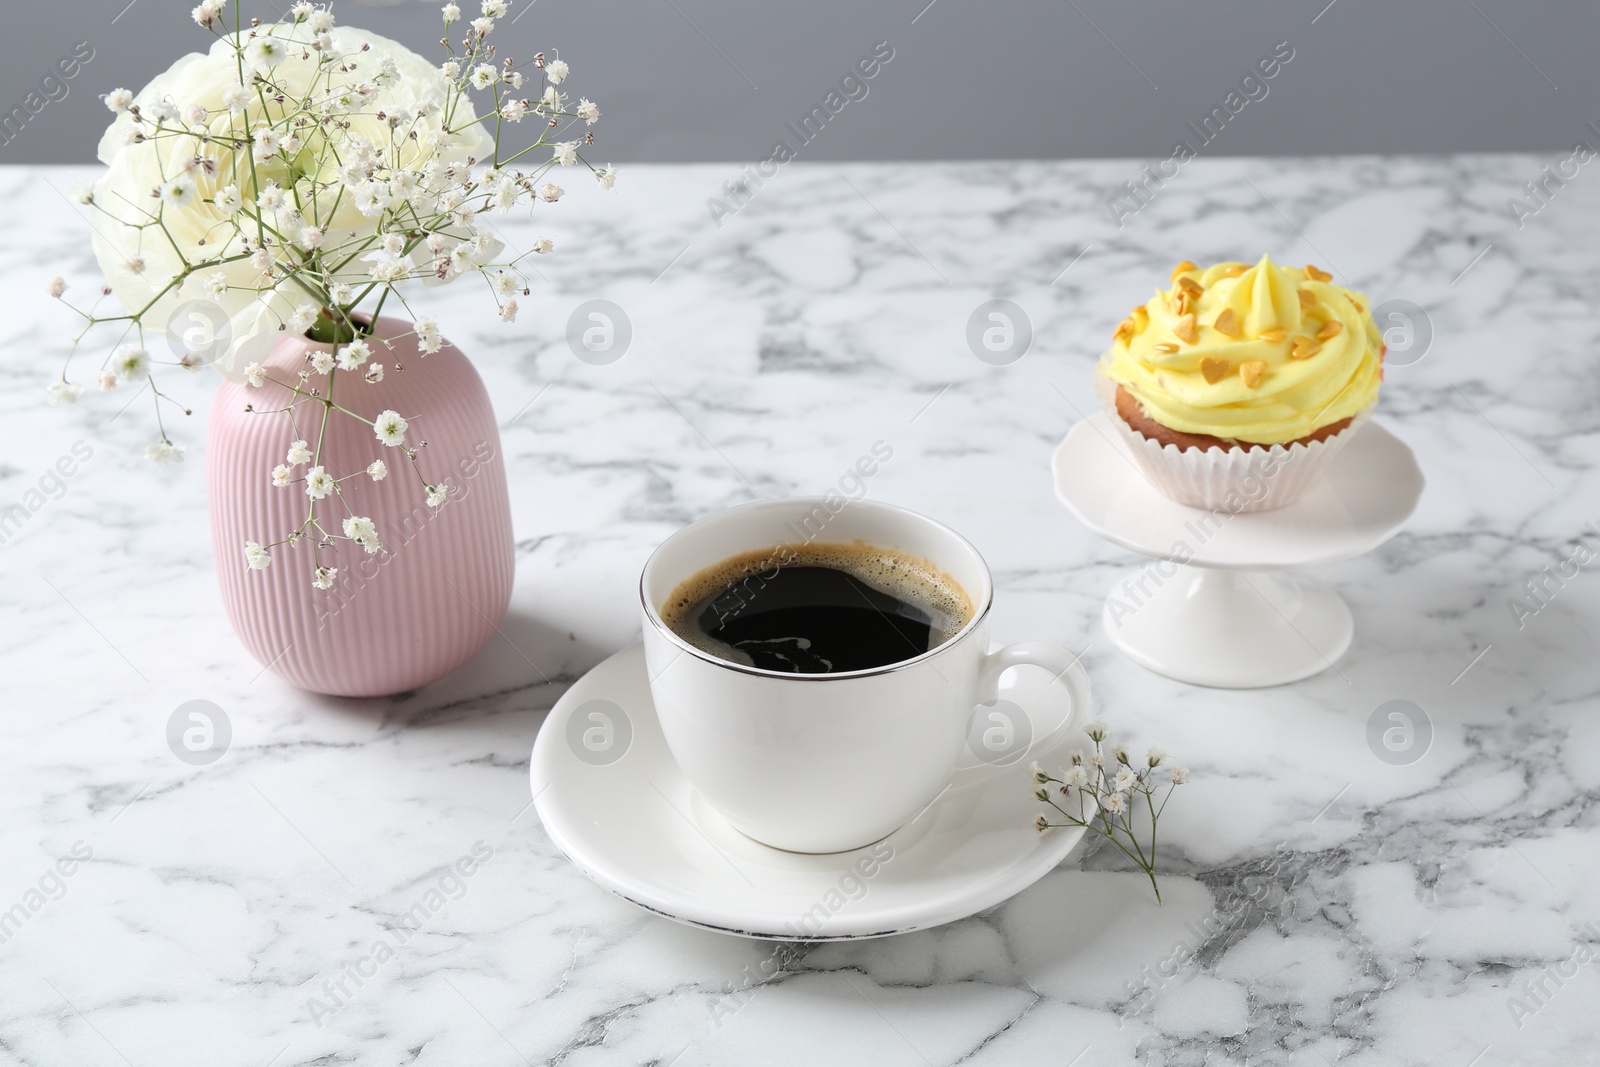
x: 993, y: 890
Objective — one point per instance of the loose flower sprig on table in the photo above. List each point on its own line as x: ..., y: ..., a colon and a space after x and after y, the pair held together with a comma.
x: 1107, y: 798
x: 294, y: 177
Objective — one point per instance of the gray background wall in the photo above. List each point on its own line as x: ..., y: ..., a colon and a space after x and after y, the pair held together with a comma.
x: 717, y: 79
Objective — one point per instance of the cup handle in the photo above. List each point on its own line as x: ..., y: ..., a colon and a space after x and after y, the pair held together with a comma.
x: 1066, y: 670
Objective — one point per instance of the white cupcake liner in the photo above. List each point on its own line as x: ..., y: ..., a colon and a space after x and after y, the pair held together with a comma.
x: 1257, y: 478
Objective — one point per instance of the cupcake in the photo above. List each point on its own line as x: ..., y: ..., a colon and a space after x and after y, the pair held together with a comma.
x: 1236, y: 386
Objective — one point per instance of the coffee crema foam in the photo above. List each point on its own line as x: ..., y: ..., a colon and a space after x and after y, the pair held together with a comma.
x: 898, y: 574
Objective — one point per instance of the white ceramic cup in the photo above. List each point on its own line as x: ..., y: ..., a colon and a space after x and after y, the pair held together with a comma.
x: 828, y: 762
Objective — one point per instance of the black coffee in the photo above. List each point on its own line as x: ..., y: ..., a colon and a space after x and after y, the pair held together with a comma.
x: 818, y: 608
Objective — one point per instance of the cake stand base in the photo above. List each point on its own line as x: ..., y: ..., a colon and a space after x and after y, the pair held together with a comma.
x: 1222, y: 604
x: 1231, y: 629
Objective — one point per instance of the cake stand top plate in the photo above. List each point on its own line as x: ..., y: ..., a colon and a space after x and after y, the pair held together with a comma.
x: 1365, y: 497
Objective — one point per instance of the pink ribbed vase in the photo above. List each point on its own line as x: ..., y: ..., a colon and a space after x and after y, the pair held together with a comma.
x: 426, y: 603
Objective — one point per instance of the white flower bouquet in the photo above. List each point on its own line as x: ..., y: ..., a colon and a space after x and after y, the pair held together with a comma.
x: 289, y: 182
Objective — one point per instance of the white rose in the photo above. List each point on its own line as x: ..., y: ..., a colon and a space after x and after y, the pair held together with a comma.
x: 204, y: 79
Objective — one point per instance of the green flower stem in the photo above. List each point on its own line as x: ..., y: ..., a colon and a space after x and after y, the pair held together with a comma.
x: 1109, y: 836
x: 330, y: 330
x: 326, y: 402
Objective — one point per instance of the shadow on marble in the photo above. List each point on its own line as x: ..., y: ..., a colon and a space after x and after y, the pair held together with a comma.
x: 527, y: 665
x: 1095, y: 937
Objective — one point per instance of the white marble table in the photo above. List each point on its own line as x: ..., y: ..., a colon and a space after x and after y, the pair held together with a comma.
x: 1323, y: 905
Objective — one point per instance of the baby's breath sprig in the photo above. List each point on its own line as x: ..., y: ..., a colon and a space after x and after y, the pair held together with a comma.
x: 1107, y: 796
x: 293, y: 179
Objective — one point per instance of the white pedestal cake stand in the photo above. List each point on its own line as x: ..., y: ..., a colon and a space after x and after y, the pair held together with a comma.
x: 1221, y: 606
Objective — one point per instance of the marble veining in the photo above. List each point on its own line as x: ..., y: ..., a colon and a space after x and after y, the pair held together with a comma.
x: 1323, y: 905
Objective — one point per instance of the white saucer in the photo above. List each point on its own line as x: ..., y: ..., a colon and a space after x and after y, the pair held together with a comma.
x: 612, y: 798
x: 1218, y: 610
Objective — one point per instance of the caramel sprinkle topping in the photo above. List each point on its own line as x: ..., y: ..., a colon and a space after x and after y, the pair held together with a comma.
x: 1304, y: 348
x: 1265, y: 351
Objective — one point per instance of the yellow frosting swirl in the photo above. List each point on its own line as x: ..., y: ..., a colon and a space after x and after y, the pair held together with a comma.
x: 1282, y: 365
